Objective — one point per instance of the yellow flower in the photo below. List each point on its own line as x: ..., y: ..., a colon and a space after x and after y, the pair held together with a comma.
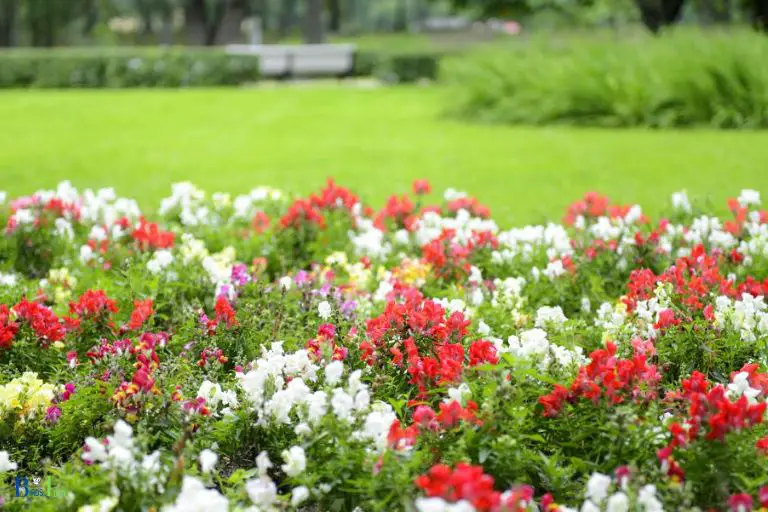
x: 26, y: 394
x: 337, y: 258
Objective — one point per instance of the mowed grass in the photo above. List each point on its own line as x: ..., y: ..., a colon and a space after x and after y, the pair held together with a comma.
x: 375, y: 141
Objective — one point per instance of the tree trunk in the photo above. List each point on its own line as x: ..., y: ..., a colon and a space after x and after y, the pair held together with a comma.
x: 91, y: 17
x: 194, y: 22
x: 215, y: 12
x: 7, y: 22
x: 657, y: 14
x: 334, y: 16
x: 400, y: 23
x: 287, y: 17
x: 313, y: 23
x: 760, y: 14
x: 42, y: 18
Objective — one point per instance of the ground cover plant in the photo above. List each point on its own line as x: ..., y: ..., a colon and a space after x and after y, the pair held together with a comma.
x: 263, y: 351
x: 226, y: 140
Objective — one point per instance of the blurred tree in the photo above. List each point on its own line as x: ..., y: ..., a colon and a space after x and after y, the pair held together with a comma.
x: 400, y: 23
x: 287, y: 17
x: 205, y: 17
x: 334, y: 16
x: 8, y: 11
x: 146, y: 11
x: 313, y: 22
x: 657, y: 14
x: 46, y: 19
x: 712, y: 11
x: 760, y: 14
x: 495, y: 8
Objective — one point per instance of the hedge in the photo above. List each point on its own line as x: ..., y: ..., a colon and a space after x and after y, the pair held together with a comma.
x: 398, y: 67
x: 684, y: 78
x: 121, y: 69
x: 137, y: 67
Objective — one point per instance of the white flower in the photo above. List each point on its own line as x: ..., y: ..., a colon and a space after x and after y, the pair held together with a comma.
x: 749, y: 197
x: 299, y: 495
x: 123, y: 435
x: 64, y: 228
x: 208, y: 460
x: 431, y: 505
x: 324, y: 310
x: 646, y: 497
x: 7, y: 279
x: 317, y: 406
x: 262, y: 491
x: 333, y: 372
x: 94, y: 451
x: 459, y: 394
x: 285, y: 283
x: 104, y: 505
x: 263, y: 463
x: 5, y: 462
x: 342, y: 404
x: 483, y: 329
x: 680, y: 201
x: 194, y: 497
x: 618, y: 503
x: 546, y: 315
x: 295, y: 461
x: 362, y: 400
x: 376, y: 426
x: 86, y: 254
x: 740, y: 386
x: 160, y: 261
x: 597, y: 487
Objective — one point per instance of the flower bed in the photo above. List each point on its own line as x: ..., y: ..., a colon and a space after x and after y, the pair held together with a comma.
x: 313, y: 353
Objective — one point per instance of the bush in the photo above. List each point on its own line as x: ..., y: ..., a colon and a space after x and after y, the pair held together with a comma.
x: 119, y: 69
x: 398, y: 67
x: 683, y: 78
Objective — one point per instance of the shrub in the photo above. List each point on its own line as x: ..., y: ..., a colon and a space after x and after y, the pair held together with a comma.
x: 398, y: 67
x: 122, y: 69
x: 683, y: 78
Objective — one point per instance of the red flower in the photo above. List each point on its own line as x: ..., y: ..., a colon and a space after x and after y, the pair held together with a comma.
x: 740, y: 503
x: 260, y: 222
x: 148, y: 235
x: 482, y: 351
x: 225, y: 313
x: 554, y: 401
x: 470, y: 483
x: 421, y: 187
x: 142, y: 310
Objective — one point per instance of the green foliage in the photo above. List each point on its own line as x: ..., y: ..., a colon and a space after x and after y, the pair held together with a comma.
x: 684, y: 78
x: 125, y: 69
x: 405, y: 67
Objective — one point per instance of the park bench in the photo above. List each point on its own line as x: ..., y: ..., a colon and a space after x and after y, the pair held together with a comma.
x: 300, y: 60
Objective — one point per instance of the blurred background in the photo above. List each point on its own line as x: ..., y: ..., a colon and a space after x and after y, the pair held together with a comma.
x: 46, y: 23
x: 525, y: 103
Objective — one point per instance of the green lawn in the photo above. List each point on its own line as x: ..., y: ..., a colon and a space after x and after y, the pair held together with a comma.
x: 376, y: 141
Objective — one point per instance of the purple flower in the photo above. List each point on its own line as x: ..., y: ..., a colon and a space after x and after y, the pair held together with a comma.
x: 302, y: 278
x: 53, y: 414
x: 240, y: 275
x: 348, y: 309
x: 324, y: 290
